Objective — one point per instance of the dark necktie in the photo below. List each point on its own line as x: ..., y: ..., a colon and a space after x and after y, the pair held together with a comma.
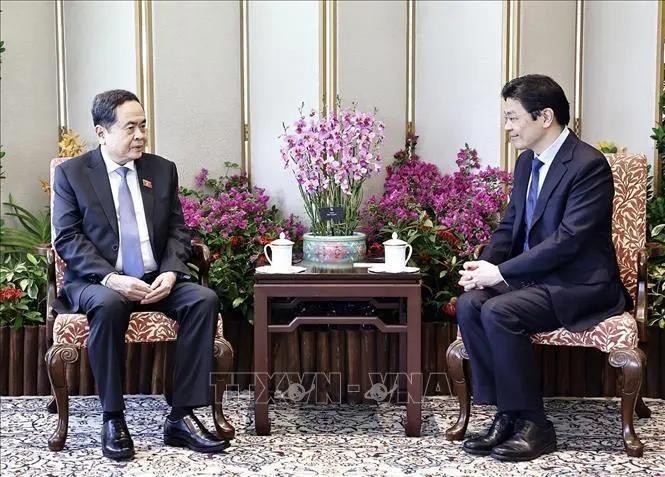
x: 531, y: 198
x: 132, y: 261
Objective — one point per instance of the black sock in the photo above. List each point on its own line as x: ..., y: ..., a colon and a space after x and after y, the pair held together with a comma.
x: 113, y: 415
x: 511, y: 414
x: 179, y: 412
x: 537, y: 417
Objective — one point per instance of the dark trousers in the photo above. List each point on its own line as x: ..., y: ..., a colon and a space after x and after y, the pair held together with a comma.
x: 495, y: 324
x: 194, y: 307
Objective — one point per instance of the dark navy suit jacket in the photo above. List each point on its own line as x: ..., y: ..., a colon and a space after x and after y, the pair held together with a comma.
x: 571, y: 251
x: 86, y: 227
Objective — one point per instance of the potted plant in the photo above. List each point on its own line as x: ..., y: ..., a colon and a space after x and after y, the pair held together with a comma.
x: 235, y: 221
x: 443, y: 216
x: 331, y: 156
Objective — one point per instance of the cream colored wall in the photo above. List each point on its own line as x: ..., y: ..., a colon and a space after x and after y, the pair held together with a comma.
x: 29, y: 124
x: 197, y: 85
x: 100, y: 54
x: 196, y: 77
x: 458, y: 80
x: 371, y: 52
x: 619, y: 86
x: 284, y: 72
x: 547, y: 42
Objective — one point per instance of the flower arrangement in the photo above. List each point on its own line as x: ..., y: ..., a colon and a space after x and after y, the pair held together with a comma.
x: 70, y: 144
x: 608, y: 147
x: 331, y: 156
x: 443, y: 216
x: 235, y: 221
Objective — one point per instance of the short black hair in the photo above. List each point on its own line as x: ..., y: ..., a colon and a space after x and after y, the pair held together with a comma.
x: 537, y: 92
x: 105, y: 104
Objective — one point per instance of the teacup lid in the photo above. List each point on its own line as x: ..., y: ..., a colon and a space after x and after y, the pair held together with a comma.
x: 394, y: 241
x: 282, y: 240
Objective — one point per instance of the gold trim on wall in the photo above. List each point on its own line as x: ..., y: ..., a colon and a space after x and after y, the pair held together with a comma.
x: 332, y: 47
x: 61, y: 72
x: 410, y: 127
x: 327, y: 56
x: 245, y: 149
x: 579, y: 70
x: 145, y: 87
x: 509, y: 70
x: 323, y: 56
x: 660, y: 78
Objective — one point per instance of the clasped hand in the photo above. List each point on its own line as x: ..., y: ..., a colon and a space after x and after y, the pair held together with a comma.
x: 135, y: 289
x: 479, y: 274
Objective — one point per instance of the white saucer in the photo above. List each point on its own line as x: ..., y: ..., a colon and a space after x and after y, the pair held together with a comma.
x: 381, y: 268
x: 271, y: 269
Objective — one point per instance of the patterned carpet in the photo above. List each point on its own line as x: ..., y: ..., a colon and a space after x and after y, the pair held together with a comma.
x: 309, y: 440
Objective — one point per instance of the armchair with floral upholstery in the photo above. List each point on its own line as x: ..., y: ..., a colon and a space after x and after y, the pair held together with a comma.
x: 619, y: 336
x: 70, y: 334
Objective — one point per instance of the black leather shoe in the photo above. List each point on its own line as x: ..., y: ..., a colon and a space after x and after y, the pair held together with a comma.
x: 528, y: 442
x: 190, y: 432
x: 502, y: 429
x: 116, y: 442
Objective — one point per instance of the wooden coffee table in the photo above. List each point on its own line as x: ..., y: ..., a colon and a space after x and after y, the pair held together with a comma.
x: 337, y: 285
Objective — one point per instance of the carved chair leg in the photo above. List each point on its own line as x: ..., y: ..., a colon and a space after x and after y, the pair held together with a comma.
x: 221, y: 378
x: 57, y: 358
x: 631, y: 362
x: 52, y: 406
x: 458, y: 373
x: 641, y: 408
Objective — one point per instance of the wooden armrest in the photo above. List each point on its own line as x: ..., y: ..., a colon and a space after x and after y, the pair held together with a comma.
x: 641, y: 301
x: 201, y: 260
x: 46, y: 250
x: 479, y: 249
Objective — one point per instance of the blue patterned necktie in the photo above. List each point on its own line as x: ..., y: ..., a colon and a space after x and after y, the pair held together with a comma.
x: 132, y: 261
x: 531, y: 198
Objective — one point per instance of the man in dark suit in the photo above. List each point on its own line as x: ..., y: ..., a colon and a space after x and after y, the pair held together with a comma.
x: 120, y: 230
x: 550, y: 264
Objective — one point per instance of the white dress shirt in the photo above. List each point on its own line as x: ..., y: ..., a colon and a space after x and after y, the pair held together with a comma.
x: 149, y: 263
x: 546, y: 157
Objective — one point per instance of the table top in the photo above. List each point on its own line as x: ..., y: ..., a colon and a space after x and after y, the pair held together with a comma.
x: 315, y: 272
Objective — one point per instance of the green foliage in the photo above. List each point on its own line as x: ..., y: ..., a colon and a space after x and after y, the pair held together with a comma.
x: 435, y: 252
x: 35, y: 229
x: 22, y: 290
x: 2, y: 155
x: 656, y: 315
x: 659, y: 131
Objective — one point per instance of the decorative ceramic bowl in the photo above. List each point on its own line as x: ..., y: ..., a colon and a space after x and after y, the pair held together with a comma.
x: 334, y: 250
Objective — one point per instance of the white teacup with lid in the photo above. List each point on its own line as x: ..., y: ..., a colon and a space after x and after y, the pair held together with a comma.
x: 396, y: 255
x: 282, y: 253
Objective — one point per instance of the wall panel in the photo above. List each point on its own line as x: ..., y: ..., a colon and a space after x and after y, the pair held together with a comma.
x: 197, y: 85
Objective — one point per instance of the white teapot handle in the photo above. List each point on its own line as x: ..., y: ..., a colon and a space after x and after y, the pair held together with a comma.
x: 265, y: 252
x: 408, y: 256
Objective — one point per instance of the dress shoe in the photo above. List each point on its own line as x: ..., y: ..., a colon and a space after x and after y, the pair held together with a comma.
x: 528, y: 442
x: 190, y: 432
x: 502, y: 429
x: 116, y: 442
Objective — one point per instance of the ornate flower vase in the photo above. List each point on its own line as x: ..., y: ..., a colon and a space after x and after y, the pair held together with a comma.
x: 334, y: 251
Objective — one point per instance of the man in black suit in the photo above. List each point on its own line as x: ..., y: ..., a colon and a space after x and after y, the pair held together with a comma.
x: 120, y: 230
x: 551, y: 263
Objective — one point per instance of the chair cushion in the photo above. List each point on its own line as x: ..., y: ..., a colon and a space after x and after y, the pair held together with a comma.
x: 615, y: 332
x: 144, y: 327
